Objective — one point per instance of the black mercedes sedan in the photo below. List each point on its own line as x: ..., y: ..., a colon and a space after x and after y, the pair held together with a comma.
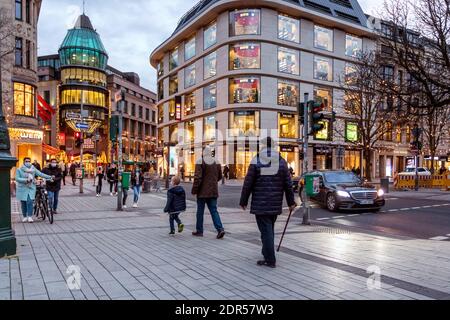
x: 344, y: 190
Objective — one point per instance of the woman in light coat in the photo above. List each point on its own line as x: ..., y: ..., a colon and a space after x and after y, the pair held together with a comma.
x: 26, y: 187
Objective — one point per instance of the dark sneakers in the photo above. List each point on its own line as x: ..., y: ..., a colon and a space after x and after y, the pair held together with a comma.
x: 266, y: 263
x: 180, y: 228
x: 197, y: 234
x: 221, y: 234
x: 172, y: 233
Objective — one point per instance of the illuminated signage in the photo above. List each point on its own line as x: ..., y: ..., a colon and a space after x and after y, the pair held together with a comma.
x: 25, y: 134
x: 351, y: 132
x: 178, y: 108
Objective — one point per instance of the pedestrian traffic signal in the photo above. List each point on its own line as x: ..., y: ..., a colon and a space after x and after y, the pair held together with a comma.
x: 316, y: 116
x: 78, y: 139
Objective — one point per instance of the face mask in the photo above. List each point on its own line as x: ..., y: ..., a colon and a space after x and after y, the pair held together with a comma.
x: 28, y: 164
x: 54, y: 165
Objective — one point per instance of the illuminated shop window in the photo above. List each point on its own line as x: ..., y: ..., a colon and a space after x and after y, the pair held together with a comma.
x: 189, y: 127
x: 210, y: 66
x: 173, y: 59
x: 172, y: 110
x: 89, y: 97
x: 351, y: 73
x: 288, y: 61
x: 323, y: 68
x: 24, y: 100
x: 288, y: 28
x: 209, y: 128
x: 161, y: 114
x: 210, y: 35
x: 351, y: 132
x: 189, y: 104
x: 325, y: 133
x: 189, y: 76
x: 287, y: 125
x: 245, y: 22
x: 288, y: 93
x: 189, y: 49
x: 210, y: 96
x: 324, y: 95
x: 245, y: 90
x: 173, y: 84
x: 83, y: 76
x: 160, y: 69
x: 353, y: 46
x: 244, y: 123
x: 245, y: 56
x: 323, y: 38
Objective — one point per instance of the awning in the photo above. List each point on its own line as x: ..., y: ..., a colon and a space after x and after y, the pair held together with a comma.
x: 50, y: 150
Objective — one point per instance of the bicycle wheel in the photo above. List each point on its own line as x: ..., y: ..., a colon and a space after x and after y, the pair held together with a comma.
x: 47, y: 210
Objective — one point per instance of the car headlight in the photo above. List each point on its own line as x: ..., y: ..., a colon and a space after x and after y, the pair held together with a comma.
x: 380, y: 192
x: 343, y: 194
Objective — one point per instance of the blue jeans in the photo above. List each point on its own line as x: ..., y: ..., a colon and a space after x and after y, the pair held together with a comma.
x: 53, y: 199
x: 212, y: 206
x: 137, y: 193
x: 172, y: 218
x: 27, y: 208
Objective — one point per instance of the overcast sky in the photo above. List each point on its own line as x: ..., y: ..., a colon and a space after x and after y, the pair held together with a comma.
x: 130, y: 30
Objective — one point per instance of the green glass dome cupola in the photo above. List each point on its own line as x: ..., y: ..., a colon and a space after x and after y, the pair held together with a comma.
x: 82, y: 46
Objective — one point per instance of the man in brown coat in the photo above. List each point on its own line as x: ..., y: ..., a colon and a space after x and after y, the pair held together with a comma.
x: 207, y: 174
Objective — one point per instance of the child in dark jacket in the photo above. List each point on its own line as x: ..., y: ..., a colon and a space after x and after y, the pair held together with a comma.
x: 176, y: 203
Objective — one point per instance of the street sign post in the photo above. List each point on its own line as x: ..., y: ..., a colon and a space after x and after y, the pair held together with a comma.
x: 82, y: 125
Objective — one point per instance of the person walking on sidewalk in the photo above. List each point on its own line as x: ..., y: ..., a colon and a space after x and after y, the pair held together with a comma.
x: 268, y: 178
x: 26, y: 187
x: 176, y: 204
x: 207, y: 175
x: 99, y: 176
x: 73, y: 171
x: 137, y: 180
x: 54, y: 186
x: 63, y: 168
x: 111, y: 175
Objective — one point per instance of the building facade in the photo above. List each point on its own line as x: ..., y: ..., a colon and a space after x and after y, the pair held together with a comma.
x: 241, y: 68
x: 18, y: 70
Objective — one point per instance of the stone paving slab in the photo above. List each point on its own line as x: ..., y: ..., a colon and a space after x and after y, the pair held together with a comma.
x: 129, y: 255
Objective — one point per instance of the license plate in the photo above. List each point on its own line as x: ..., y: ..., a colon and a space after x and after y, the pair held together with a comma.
x: 366, y: 201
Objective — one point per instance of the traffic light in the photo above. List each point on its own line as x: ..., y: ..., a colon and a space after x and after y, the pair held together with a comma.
x: 301, y: 112
x: 78, y: 139
x: 316, y: 116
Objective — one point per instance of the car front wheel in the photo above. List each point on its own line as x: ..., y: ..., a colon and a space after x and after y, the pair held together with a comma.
x: 331, y: 202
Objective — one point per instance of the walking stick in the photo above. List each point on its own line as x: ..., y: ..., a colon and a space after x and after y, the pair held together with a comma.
x: 284, y: 231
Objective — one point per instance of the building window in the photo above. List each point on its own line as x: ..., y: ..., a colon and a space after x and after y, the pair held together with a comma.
x: 172, y: 109
x: 408, y: 134
x: 287, y: 125
x: 244, y: 123
x: 288, y: 93
x: 189, y: 127
x: 161, y: 114
x: 24, y: 100
x: 141, y: 112
x: 288, y: 28
x: 245, y: 90
x: 325, y: 133
x: 189, y: 104
x: 245, y: 56
x: 173, y: 59
x: 189, y: 49
x: 209, y: 128
x: 160, y: 90
x: 210, y: 35
x: 388, y: 133
x: 288, y: 61
x: 351, y: 132
x: 323, y: 68
x: 323, y: 38
x: 19, y: 10
x: 210, y: 66
x: 83, y: 76
x: 126, y: 107
x: 325, y: 96
x: 173, y: 84
x: 189, y: 76
x: 387, y: 73
x: 133, y: 110
x: 245, y: 22
x: 160, y: 68
x: 351, y: 73
x: 210, y: 96
x: 353, y: 46
x: 88, y: 97
x: 153, y: 116
x: 19, y: 52
x: 398, y: 134
x: 28, y: 11
x: 28, y: 54
x: 147, y: 114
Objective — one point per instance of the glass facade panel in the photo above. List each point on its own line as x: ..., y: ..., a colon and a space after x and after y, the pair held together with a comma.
x: 245, y: 56
x: 209, y: 128
x: 161, y: 114
x: 74, y: 96
x: 18, y: 59
x: 288, y: 28
x: 173, y: 59
x: 245, y: 22
x: 288, y: 61
x: 189, y: 76
x: 353, y: 46
x: 210, y: 65
x: 172, y: 110
x: 210, y: 96
x: 189, y: 104
x: 83, y: 76
x: 323, y: 38
x: 351, y: 132
x: 244, y: 123
x: 288, y: 93
x: 173, y: 84
x: 324, y: 95
x: 24, y: 100
x: 323, y: 68
x: 18, y: 10
x: 160, y: 69
x: 244, y: 90
x: 189, y: 127
x: 287, y: 125
x: 351, y: 73
x: 189, y: 49
x: 210, y: 35
x: 160, y: 90
x: 325, y: 133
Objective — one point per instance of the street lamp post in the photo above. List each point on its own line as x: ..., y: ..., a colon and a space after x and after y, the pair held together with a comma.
x: 7, y: 237
x: 305, y: 204
x: 120, y: 107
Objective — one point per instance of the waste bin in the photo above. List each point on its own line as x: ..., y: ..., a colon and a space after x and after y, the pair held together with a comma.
x: 312, y: 184
x: 384, y: 184
x: 146, y: 187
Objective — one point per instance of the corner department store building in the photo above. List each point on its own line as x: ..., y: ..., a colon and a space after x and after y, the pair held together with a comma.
x: 236, y: 67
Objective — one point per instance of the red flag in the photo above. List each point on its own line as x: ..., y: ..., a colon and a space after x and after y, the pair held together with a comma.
x: 45, y: 105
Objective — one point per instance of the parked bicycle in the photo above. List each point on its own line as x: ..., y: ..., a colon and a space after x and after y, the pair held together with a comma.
x: 41, y: 203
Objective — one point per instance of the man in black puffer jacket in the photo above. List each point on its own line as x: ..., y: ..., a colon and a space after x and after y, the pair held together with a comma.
x: 176, y: 203
x: 53, y: 187
x: 268, y: 178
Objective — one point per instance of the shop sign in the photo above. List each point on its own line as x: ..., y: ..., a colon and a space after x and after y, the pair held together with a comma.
x: 25, y: 134
x: 287, y: 115
x: 178, y: 108
x: 61, y: 139
x: 287, y: 148
x: 88, y: 144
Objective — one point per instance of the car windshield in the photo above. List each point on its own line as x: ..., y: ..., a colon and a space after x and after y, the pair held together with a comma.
x: 341, y: 177
x: 410, y: 169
